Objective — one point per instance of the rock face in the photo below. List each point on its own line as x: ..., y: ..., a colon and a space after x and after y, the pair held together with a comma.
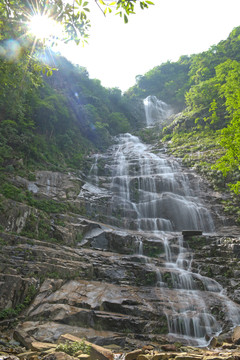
x: 125, y: 274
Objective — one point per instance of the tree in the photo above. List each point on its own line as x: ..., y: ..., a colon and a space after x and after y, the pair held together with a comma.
x: 16, y: 14
x: 230, y: 136
x: 168, y: 82
x: 118, y: 123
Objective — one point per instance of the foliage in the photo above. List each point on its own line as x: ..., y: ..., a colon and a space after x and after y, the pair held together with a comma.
x: 55, y: 125
x: 230, y: 136
x: 15, y: 16
x: 210, y: 83
x: 11, y: 192
x: 168, y: 82
x: 201, y: 150
x: 48, y: 205
x: 71, y: 348
x: 118, y: 123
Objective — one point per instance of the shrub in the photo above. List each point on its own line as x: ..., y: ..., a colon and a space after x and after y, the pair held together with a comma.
x: 71, y: 348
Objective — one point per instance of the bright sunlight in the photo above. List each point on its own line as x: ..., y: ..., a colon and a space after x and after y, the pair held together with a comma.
x: 44, y: 27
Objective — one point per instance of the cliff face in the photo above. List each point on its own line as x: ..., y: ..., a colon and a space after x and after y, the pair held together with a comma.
x: 76, y: 269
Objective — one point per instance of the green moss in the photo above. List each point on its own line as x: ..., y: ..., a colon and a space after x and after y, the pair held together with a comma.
x: 72, y: 348
x: 196, y: 242
x: 152, y: 251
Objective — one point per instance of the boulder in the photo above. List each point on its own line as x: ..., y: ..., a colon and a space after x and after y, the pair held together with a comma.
x: 23, y: 338
x: 133, y: 354
x: 41, y: 346
x: 96, y: 353
x: 168, y: 347
x: 58, y: 355
x: 83, y: 356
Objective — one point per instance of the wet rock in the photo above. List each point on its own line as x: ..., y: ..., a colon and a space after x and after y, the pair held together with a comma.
x: 214, y: 342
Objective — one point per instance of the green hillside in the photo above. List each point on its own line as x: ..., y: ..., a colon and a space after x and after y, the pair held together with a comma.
x: 54, y: 122
x: 205, y: 87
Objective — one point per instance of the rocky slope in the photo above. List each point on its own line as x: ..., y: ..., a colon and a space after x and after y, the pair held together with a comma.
x: 85, y: 277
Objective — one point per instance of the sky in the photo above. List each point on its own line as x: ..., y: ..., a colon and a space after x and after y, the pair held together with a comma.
x: 118, y: 52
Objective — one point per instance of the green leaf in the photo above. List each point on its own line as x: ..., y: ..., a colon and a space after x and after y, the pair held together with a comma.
x: 125, y: 19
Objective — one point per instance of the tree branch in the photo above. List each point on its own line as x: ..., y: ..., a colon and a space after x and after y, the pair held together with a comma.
x: 100, y: 7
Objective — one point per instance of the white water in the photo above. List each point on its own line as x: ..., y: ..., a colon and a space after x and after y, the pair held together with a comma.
x: 156, y: 111
x: 151, y: 195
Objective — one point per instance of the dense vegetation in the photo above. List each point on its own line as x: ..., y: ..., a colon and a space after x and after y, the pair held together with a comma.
x: 47, y: 121
x: 206, y: 87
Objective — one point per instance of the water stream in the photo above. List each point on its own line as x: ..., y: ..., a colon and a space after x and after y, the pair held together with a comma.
x: 151, y: 195
x: 156, y: 111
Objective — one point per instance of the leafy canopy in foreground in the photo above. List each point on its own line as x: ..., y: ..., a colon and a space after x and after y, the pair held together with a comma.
x: 15, y: 15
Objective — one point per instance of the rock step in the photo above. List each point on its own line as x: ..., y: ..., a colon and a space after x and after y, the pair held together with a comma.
x: 134, y: 270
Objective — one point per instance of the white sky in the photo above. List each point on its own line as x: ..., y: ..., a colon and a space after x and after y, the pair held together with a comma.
x: 117, y: 52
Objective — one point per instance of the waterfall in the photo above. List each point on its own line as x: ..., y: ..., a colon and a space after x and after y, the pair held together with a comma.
x: 156, y: 111
x: 150, y: 195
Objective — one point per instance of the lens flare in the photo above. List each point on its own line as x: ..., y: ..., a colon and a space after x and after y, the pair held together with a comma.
x: 10, y: 50
x: 44, y: 27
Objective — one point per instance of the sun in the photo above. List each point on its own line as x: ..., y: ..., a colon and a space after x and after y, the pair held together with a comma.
x: 44, y: 27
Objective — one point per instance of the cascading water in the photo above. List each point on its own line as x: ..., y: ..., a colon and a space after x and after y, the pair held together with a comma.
x: 156, y: 111
x: 150, y: 194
